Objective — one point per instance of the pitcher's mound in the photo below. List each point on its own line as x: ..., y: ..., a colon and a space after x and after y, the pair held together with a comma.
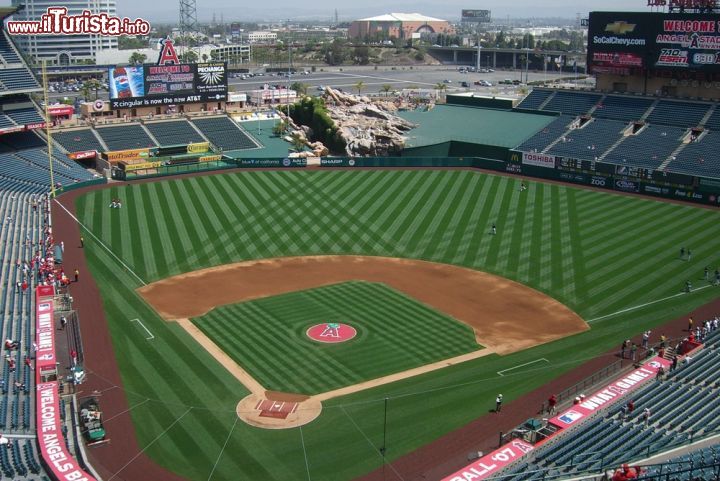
x: 276, y: 410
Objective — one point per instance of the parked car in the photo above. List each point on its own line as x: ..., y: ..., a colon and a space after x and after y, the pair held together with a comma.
x: 447, y: 81
x: 464, y: 84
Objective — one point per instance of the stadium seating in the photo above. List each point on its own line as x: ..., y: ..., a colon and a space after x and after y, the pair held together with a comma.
x: 685, y: 402
x: 700, y: 464
x: 78, y: 140
x: 20, y: 140
x: 590, y: 141
x: 174, y: 132
x: 127, y: 136
x: 535, y: 99
x: 225, y: 133
x: 5, y: 121
x: 24, y: 116
x: 546, y: 136
x: 647, y: 149
x: 699, y: 158
x: 18, y: 79
x: 65, y: 171
x: 681, y: 114
x: 622, y: 108
x: 572, y: 103
x: 7, y: 51
x: 713, y: 123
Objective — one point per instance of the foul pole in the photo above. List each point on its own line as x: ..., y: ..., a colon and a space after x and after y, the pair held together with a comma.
x: 47, y: 127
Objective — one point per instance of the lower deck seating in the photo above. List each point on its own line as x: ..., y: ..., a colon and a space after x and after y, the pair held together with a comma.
x: 225, y: 133
x: 647, y: 149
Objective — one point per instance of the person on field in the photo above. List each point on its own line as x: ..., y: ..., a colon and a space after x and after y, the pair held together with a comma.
x: 691, y: 321
x: 82, y: 241
x: 645, y: 339
x: 498, y: 403
x: 493, y: 229
x: 77, y: 275
x: 689, y: 255
x: 682, y: 253
x: 688, y: 286
x: 633, y: 351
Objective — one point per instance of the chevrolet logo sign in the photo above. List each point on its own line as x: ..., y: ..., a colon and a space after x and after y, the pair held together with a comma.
x: 620, y: 28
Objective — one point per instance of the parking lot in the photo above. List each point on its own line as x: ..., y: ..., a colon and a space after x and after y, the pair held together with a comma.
x: 398, y: 78
x: 373, y: 79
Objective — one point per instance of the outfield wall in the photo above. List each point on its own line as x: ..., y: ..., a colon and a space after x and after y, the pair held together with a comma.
x: 527, y: 164
x: 620, y: 178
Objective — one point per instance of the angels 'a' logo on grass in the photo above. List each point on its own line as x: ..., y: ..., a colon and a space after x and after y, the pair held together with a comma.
x: 331, y: 332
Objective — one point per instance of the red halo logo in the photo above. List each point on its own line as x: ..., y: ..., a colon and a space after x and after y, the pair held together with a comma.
x: 331, y: 332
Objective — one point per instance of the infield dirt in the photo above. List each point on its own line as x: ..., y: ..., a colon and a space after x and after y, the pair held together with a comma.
x: 505, y: 315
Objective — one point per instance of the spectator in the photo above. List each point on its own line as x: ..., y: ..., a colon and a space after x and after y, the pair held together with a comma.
x: 660, y: 374
x: 646, y: 416
x: 552, y: 403
x: 674, y: 364
x: 645, y: 339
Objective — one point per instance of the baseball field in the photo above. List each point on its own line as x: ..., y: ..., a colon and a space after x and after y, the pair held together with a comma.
x: 604, y: 266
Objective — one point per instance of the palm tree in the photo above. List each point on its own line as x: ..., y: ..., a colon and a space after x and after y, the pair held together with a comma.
x: 300, y: 87
x: 440, y: 87
x: 298, y: 143
x: 359, y: 86
x: 137, y: 57
x: 386, y: 88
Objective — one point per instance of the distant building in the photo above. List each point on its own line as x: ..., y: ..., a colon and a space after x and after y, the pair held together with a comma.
x: 63, y: 49
x: 399, y: 25
x: 261, y: 36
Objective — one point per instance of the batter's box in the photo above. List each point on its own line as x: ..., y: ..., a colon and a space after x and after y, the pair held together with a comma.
x: 276, y: 409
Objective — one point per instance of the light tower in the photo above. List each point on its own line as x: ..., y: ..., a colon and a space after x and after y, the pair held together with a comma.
x: 188, y: 18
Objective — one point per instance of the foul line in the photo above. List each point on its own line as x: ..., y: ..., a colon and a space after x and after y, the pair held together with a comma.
x: 150, y: 444
x: 647, y: 304
x: 100, y: 242
x: 146, y: 329
x: 500, y: 373
x: 223, y: 448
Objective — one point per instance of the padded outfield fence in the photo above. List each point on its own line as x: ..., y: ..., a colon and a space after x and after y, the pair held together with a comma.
x: 602, y: 175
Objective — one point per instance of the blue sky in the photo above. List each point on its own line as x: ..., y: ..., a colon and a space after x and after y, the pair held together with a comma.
x: 166, y: 10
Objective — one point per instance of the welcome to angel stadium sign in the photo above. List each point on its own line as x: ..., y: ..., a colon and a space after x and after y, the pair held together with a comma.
x: 704, y: 4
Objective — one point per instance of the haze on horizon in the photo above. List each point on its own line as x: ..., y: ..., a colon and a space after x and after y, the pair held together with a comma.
x: 167, y: 10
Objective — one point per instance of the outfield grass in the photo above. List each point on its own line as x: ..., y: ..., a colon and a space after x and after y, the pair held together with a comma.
x: 598, y: 253
x: 395, y: 333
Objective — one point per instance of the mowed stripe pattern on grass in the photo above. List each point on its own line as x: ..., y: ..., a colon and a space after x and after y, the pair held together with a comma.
x: 395, y: 333
x: 573, y: 244
x: 623, y: 251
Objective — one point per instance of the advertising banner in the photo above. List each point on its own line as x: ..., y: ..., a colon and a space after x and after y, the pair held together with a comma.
x: 476, y: 16
x: 538, y: 160
x: 44, y: 335
x: 210, y: 158
x: 611, y: 393
x: 50, y: 437
x: 627, y: 185
x: 85, y: 154
x: 130, y: 154
x: 154, y: 85
x: 488, y: 465
x: 198, y: 147
x: 654, y: 40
